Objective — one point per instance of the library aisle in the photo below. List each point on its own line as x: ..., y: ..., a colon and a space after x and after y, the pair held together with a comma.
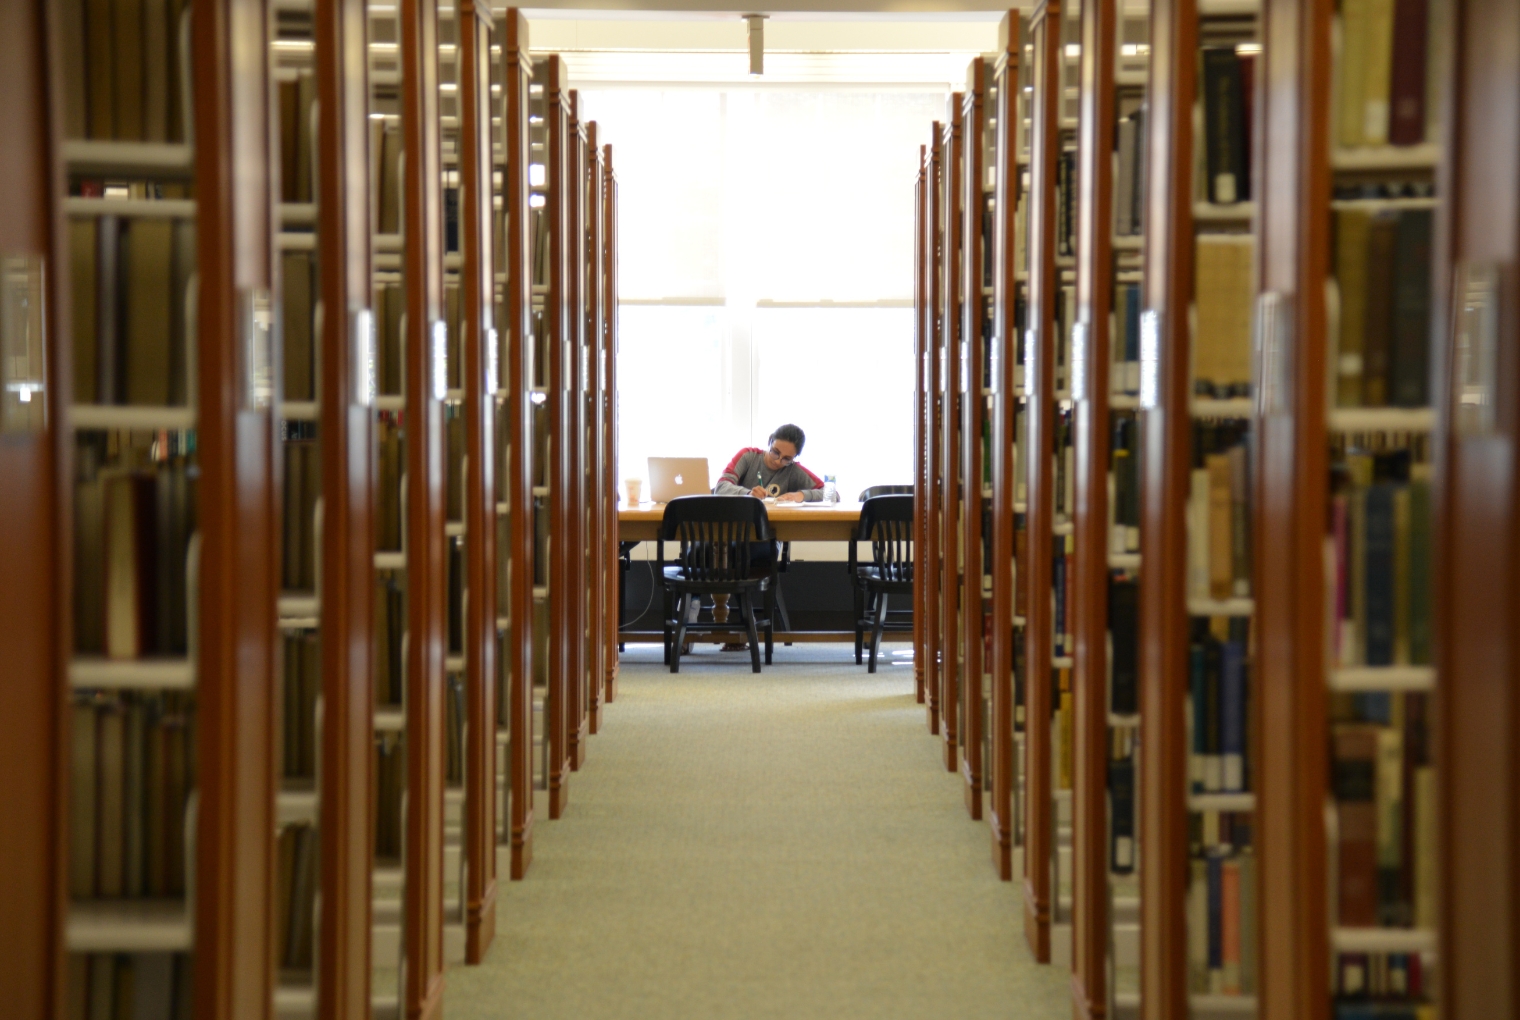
x: 761, y: 846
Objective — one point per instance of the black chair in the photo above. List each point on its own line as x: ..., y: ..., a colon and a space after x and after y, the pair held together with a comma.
x: 717, y: 536
x: 887, y: 523
x: 863, y: 603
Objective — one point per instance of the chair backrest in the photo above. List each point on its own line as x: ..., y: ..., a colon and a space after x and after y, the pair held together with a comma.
x: 715, y: 533
x: 887, y: 523
x: 886, y: 490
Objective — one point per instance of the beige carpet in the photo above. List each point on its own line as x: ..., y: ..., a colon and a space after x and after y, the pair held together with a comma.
x: 783, y: 845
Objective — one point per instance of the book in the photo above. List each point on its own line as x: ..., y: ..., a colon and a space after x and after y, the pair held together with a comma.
x: 127, y: 581
x: 1406, y: 98
x: 82, y: 807
x: 110, y: 820
x: 127, y: 91
x: 298, y: 319
x: 1382, y: 232
x: 99, y: 69
x: 1379, y: 595
x: 1351, y: 228
x: 83, y: 247
x: 89, y: 552
x: 147, y: 289
x: 109, y: 388
x: 1378, y: 69
x: 1221, y: 554
x: 1228, y: 173
x: 1224, y: 291
x: 1389, y: 797
x: 1409, y: 339
x: 1354, y: 749
x: 1124, y: 644
x: 1121, y: 793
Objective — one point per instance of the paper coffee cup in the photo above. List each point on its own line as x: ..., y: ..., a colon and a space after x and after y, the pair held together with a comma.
x: 634, y: 487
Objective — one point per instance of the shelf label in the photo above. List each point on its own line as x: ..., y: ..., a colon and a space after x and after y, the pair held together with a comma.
x: 440, y: 360
x: 1273, y: 338
x: 1079, y: 356
x: 23, y: 345
x: 1150, y: 359
x: 1475, y: 342
x: 258, y: 351
x: 362, y: 326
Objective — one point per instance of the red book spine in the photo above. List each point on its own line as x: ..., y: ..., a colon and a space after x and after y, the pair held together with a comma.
x: 1406, y: 100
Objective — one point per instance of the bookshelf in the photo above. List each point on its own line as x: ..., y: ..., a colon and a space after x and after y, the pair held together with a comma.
x: 951, y: 666
x: 1348, y: 390
x: 1479, y: 932
x: 1008, y: 74
x: 934, y: 368
x: 978, y: 162
x: 1106, y: 558
x: 517, y: 409
x: 1197, y: 671
x: 600, y: 467
x: 298, y: 408
x: 480, y: 381
x: 164, y: 454
x: 556, y: 355
x: 1035, y: 459
x: 923, y: 402
x: 607, y: 258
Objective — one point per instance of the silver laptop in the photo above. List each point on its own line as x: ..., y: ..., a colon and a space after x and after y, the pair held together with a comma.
x: 670, y: 477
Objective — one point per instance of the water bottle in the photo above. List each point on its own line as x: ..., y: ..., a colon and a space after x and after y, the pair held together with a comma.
x: 830, y: 489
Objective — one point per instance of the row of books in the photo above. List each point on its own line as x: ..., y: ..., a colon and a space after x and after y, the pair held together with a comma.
x: 301, y: 684
x: 1221, y: 905
x: 385, y: 174
x: 1384, y: 92
x: 298, y: 130
x: 134, y: 518
x: 1224, y: 290
x: 301, y: 492
x: 1219, y: 512
x: 130, y: 295
x: 1066, y: 204
x: 124, y: 76
x: 296, y: 896
x: 1380, y: 311
x: 453, y: 730
x: 1403, y: 977
x: 1124, y: 465
x: 1129, y: 171
x: 1123, y: 642
x: 1229, y: 91
x: 128, y: 986
x: 1380, y: 557
x: 298, y: 317
x: 390, y: 629
x: 1124, y: 339
x: 1065, y: 733
x: 390, y: 440
x: 1063, y: 593
x: 390, y: 788
x: 1123, y: 824
x: 131, y: 770
x: 1219, y: 704
x: 1384, y: 789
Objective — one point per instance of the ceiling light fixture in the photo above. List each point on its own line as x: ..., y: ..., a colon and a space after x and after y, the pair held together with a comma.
x: 756, y: 23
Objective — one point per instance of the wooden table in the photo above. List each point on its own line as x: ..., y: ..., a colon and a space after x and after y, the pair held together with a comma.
x: 791, y: 522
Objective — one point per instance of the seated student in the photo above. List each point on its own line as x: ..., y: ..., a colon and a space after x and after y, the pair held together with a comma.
x: 773, y: 472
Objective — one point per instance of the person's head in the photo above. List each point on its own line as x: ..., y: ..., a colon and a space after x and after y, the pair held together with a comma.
x: 785, y: 446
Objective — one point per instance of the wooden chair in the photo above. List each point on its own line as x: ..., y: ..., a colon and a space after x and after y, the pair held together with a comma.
x: 887, y: 523
x: 717, y: 536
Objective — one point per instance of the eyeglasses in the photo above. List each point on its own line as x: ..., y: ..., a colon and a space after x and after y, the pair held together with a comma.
x: 783, y: 458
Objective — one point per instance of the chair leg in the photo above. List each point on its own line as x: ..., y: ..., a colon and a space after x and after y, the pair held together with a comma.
x: 668, y: 611
x: 748, y: 602
x: 680, y: 637
x: 881, y: 622
x: 786, y: 621
x: 860, y: 611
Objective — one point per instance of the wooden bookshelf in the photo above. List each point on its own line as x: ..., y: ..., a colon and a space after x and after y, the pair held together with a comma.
x: 977, y: 161
x: 1040, y: 348
x: 599, y: 460
x: 517, y: 338
x: 607, y: 256
x: 573, y: 539
x: 1344, y: 443
x: 929, y: 581
x: 557, y: 350
x: 1007, y: 302
x: 923, y: 401
x: 481, y: 383
x: 36, y: 457
x: 1104, y: 922
x: 1479, y: 937
x: 952, y: 269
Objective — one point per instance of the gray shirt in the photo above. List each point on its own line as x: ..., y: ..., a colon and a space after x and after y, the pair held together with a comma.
x: 748, y: 470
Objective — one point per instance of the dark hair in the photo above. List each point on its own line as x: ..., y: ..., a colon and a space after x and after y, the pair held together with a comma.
x: 789, y: 434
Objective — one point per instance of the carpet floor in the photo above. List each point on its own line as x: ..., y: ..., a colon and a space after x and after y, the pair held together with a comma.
x: 777, y: 846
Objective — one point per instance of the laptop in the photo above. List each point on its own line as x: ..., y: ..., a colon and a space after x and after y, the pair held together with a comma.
x: 670, y: 477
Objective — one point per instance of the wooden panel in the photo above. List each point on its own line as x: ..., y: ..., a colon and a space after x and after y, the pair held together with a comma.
x: 1095, y: 291
x: 1291, y: 490
x: 1004, y: 409
x: 427, y: 631
x: 922, y: 329
x: 929, y: 582
x: 1477, y: 598
x: 517, y: 380
x: 343, y: 968
x: 609, y: 399
x: 950, y: 437
x: 35, y: 604
x: 1039, y: 375
x: 559, y: 322
x: 573, y: 539
x: 477, y: 301
x: 238, y: 515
